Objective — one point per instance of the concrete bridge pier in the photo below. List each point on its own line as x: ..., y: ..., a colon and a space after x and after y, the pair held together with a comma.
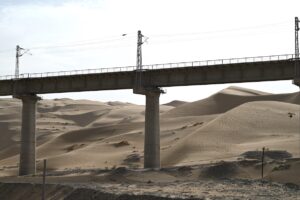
x: 27, y: 153
x: 152, y: 129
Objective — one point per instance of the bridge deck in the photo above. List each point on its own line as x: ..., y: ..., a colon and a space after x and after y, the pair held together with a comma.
x: 250, y: 69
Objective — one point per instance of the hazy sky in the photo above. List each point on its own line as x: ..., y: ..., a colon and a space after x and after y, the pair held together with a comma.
x: 71, y: 34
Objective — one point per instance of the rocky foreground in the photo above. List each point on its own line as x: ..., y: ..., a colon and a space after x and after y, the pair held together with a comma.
x: 220, y: 189
x: 222, y: 180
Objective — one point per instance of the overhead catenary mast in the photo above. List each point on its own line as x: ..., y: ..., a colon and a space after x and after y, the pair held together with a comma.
x: 19, y: 52
x: 296, y: 38
x: 18, y: 48
x: 139, y: 51
x: 138, y: 81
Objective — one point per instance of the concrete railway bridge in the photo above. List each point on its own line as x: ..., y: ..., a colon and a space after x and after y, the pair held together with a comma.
x: 151, y: 79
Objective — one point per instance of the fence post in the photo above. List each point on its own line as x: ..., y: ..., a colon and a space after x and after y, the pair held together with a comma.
x: 262, y: 163
x: 44, y: 179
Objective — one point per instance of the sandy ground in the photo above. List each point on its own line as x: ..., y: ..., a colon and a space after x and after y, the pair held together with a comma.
x: 221, y: 180
x: 87, y: 135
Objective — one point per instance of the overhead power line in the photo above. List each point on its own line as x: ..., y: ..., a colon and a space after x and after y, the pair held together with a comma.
x: 89, y: 42
x: 121, y: 37
x: 262, y: 26
x: 76, y: 44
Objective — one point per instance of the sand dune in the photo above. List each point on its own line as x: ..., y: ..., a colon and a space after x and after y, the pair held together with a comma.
x: 90, y: 134
x: 227, y: 99
x: 249, y: 126
x: 175, y: 103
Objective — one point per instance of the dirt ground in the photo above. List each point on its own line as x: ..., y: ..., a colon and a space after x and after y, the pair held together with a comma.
x: 221, y: 180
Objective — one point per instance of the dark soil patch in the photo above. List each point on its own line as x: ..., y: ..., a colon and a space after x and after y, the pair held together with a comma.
x: 121, y: 144
x: 272, y: 154
x: 281, y: 167
x: 119, y: 171
x: 185, y: 169
x: 248, y: 162
x: 220, y: 170
x: 133, y: 158
x: 74, y: 147
x: 292, y: 186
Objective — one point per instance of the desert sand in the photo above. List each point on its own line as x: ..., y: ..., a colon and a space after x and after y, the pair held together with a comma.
x: 79, y: 137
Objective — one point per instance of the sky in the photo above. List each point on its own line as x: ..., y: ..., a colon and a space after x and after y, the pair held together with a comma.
x: 65, y: 35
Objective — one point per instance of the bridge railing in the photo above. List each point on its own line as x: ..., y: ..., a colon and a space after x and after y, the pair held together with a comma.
x: 69, y: 73
x: 220, y: 62
x: 155, y: 66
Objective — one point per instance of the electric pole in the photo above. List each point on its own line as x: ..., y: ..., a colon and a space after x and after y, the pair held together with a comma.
x: 138, y: 84
x: 18, y: 48
x: 19, y: 52
x: 296, y: 38
x: 139, y: 51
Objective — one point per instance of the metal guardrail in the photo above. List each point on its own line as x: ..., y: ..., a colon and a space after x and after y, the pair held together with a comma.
x: 154, y: 66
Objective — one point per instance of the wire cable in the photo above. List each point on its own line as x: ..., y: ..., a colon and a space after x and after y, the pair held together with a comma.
x: 223, y: 30
x: 88, y: 43
x: 210, y: 37
x: 93, y: 42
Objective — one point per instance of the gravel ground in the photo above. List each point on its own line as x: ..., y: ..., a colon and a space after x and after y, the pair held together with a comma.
x: 229, y: 189
x: 210, y: 190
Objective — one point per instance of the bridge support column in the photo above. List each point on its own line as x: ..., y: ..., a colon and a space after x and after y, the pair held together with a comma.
x: 152, y: 129
x: 27, y: 153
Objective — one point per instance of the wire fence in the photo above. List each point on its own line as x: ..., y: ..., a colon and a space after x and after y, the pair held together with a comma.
x: 154, y: 66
